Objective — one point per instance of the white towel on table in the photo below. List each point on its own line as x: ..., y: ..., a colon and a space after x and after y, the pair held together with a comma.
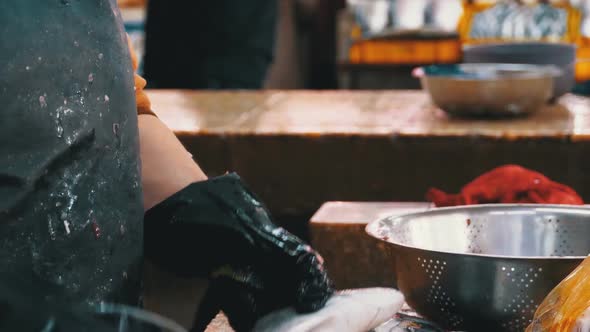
x: 359, y: 310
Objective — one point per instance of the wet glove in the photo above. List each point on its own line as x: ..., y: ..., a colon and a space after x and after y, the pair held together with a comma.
x: 220, y: 230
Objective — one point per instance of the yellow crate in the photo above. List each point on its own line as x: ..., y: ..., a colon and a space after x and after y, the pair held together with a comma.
x: 405, y: 51
x: 448, y: 51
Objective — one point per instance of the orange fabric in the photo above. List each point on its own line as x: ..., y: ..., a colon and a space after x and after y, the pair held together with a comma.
x: 143, y: 102
x: 508, y: 184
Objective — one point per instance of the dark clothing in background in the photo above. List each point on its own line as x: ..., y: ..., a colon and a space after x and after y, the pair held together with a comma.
x: 71, y: 211
x: 221, y: 44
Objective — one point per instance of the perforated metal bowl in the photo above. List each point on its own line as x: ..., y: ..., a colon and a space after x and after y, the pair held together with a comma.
x: 487, y: 267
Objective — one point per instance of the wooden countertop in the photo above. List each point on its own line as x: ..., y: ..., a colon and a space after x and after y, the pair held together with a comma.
x: 362, y: 113
x: 299, y: 149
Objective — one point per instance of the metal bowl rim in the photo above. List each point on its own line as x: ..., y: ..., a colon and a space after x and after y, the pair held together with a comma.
x: 531, y: 71
x: 519, y: 43
x: 371, y: 228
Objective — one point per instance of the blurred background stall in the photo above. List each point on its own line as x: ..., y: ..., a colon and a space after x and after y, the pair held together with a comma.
x: 374, y: 44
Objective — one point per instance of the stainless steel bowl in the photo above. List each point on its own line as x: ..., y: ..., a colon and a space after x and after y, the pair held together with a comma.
x: 557, y: 54
x: 487, y: 267
x: 489, y: 89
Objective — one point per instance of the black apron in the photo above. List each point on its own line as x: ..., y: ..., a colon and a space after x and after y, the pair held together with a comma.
x: 220, y: 44
x: 71, y: 211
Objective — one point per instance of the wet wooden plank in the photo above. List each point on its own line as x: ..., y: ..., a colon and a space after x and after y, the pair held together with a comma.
x: 381, y: 113
x: 353, y: 259
x: 299, y: 149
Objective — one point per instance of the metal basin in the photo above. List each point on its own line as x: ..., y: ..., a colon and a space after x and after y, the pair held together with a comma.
x: 487, y: 267
x: 560, y: 55
x: 488, y: 89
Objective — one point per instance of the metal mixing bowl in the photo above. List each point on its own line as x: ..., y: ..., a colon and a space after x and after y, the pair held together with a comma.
x: 488, y: 89
x: 487, y: 267
x: 557, y: 54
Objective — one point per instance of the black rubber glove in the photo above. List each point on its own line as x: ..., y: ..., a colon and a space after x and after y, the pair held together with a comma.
x: 219, y: 229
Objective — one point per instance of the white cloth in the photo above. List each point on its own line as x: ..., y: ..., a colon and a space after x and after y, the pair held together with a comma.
x: 358, y: 310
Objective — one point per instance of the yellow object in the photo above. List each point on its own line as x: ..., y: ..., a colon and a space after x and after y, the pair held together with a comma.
x: 583, y: 58
x: 562, y: 308
x: 131, y: 3
x: 405, y: 51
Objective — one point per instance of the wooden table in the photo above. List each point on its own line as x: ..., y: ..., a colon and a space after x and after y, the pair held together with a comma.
x: 298, y: 149
x: 353, y: 258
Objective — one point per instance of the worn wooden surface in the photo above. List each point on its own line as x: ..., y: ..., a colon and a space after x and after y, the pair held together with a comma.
x: 354, y: 259
x: 370, y: 113
x: 299, y: 149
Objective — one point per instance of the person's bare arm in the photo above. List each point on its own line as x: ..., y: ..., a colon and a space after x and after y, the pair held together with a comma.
x: 166, y: 165
x: 189, y: 220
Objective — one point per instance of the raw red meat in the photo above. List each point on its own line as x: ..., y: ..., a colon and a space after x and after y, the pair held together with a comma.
x: 508, y: 184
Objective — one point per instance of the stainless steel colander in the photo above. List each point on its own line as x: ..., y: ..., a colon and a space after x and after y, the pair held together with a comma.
x: 487, y: 267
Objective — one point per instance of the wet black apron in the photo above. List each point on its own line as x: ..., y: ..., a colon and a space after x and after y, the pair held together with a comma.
x: 70, y: 190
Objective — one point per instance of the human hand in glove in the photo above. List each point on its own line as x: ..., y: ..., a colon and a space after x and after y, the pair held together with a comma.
x: 219, y: 229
